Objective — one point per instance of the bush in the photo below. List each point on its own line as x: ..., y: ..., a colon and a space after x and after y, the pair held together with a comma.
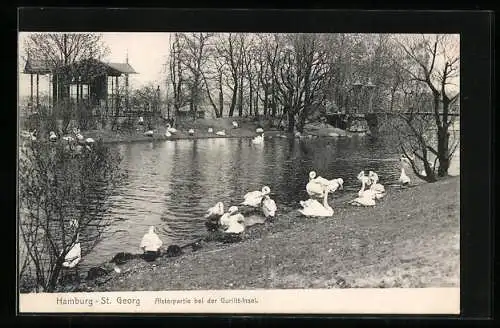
x: 59, y: 184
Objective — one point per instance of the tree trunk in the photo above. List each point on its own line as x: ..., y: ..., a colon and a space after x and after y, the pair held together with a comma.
x: 266, y: 96
x: 55, y: 275
x: 233, y: 101
x: 240, y: 99
x: 291, y: 120
x: 443, y: 156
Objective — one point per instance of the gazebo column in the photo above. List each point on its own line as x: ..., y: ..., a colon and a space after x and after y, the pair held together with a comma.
x: 31, y: 94
x: 112, y: 95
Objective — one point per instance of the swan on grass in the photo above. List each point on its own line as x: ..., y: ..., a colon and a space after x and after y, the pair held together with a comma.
x: 254, y: 198
x: 366, y: 198
x: 268, y: 207
x: 150, y: 241
x: 377, y: 188
x: 404, y: 179
x: 213, y: 216
x: 221, y: 133
x: 191, y: 131
x: 235, y: 124
x: 210, y: 130
x: 168, y: 134
x: 313, y: 208
x: 149, y: 133
x: 232, y: 221
x: 171, y: 129
x: 259, y: 130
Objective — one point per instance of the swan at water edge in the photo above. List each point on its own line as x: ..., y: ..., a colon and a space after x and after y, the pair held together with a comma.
x: 149, y: 133
x: 191, y: 131
x: 377, y: 188
x: 52, y: 136
x: 259, y: 130
x: 73, y: 257
x: 168, y: 134
x: 235, y: 124
x: 213, y: 216
x: 221, y: 133
x: 403, y: 178
x: 171, y: 129
x: 150, y: 241
x: 254, y: 198
x: 268, y: 207
x: 232, y: 221
x: 313, y: 208
x: 210, y: 130
x: 316, y: 185
x: 258, y: 139
x: 365, y: 181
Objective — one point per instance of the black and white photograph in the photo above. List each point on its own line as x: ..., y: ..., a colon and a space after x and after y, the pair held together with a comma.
x: 231, y: 161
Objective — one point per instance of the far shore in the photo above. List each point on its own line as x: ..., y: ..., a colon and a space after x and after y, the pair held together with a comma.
x: 410, y: 239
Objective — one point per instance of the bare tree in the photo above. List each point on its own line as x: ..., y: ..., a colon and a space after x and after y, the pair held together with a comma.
x: 434, y: 61
x: 63, y: 197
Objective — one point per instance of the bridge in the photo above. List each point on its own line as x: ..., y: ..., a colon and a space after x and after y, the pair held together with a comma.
x: 351, y: 121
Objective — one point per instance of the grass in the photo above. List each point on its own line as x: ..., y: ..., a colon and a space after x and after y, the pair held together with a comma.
x: 409, y: 239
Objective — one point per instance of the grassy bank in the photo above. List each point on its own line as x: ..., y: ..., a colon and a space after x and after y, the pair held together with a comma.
x: 409, y: 239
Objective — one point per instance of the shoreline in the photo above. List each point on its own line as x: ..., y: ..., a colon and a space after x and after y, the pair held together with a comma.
x: 353, y: 248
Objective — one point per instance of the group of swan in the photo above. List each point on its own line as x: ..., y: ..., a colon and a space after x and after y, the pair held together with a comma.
x: 319, y: 187
x: 233, y: 222
x: 367, y: 197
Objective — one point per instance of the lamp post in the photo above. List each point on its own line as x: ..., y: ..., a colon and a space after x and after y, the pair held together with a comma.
x: 371, y: 87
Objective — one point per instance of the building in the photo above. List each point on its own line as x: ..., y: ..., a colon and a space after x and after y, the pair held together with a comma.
x: 89, y: 80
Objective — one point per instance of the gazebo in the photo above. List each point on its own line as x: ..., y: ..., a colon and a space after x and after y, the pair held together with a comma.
x: 92, y: 80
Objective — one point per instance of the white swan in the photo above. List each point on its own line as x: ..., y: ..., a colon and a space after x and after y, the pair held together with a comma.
x: 151, y: 242
x: 403, y: 178
x: 68, y: 138
x: 168, y: 134
x: 171, y: 129
x: 298, y: 134
x: 268, y: 206
x: 89, y: 140
x: 254, y: 198
x: 73, y: 257
x: 259, y: 130
x: 258, y: 140
x: 235, y: 124
x: 377, y: 188
x: 52, y: 136
x: 316, y: 185
x: 210, y: 130
x: 233, y: 222
x: 221, y: 133
x: 366, y: 198
x: 141, y: 120
x: 216, y: 210
x: 191, y: 131
x: 149, y: 133
x: 312, y: 207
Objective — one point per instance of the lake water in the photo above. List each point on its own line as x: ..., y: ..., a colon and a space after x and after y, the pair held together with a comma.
x: 170, y: 184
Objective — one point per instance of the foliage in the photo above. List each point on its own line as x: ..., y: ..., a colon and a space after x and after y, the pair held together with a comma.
x: 59, y: 183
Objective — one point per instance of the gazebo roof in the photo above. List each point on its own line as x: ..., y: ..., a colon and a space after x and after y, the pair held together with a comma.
x: 37, y: 66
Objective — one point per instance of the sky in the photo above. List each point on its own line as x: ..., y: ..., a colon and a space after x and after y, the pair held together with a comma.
x: 147, y: 53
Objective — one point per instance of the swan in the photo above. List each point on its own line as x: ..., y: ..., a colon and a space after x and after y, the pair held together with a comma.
x: 235, y: 124
x: 233, y: 222
x: 149, y: 133
x: 259, y: 130
x: 210, y: 130
x: 258, y: 139
x: 312, y: 207
x: 365, y: 181
x: 221, y: 133
x: 254, y: 198
x: 89, y: 140
x: 52, y: 136
x: 171, y: 129
x: 213, y: 216
x: 150, y: 241
x: 168, y: 134
x: 191, y: 131
x: 366, y: 198
x: 316, y: 185
x: 268, y: 206
x: 297, y: 134
x: 68, y: 138
x: 73, y: 257
x: 403, y: 178
x: 377, y: 188
x: 141, y: 120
